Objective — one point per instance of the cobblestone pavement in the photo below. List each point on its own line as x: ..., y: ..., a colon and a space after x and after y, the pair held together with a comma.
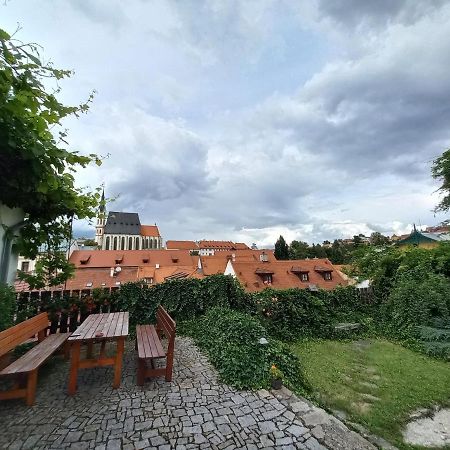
x: 194, y: 411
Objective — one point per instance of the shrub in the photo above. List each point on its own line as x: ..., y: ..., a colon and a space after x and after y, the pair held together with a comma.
x: 183, y: 299
x: 231, y: 340
x: 7, y: 306
x: 293, y: 313
x: 416, y: 302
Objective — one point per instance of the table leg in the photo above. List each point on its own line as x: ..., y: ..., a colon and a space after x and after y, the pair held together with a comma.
x: 118, y: 362
x: 74, y: 363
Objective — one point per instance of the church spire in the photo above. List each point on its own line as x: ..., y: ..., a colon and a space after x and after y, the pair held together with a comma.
x: 101, y: 208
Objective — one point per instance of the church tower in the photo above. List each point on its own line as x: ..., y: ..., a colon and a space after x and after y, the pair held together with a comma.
x: 101, y: 221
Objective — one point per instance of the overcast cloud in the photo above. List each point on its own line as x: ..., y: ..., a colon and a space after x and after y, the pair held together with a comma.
x: 245, y: 120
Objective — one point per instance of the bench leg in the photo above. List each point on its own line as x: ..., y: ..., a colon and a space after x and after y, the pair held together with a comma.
x: 31, y: 387
x: 169, y: 366
x: 141, y: 372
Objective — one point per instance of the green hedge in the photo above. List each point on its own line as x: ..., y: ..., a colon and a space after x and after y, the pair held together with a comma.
x: 183, y: 299
x: 231, y: 340
x: 7, y: 306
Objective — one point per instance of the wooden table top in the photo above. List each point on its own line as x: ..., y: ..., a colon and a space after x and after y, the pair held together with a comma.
x: 102, y: 326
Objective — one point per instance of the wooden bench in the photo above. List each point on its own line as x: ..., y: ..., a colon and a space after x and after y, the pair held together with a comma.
x: 25, y: 368
x: 149, y: 347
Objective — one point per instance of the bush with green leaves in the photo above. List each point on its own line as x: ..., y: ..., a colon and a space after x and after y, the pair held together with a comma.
x: 183, y: 299
x: 232, y: 341
x: 414, y: 301
x: 292, y: 313
x: 7, y: 306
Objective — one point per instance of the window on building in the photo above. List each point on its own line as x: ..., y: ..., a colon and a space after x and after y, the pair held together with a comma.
x: 115, y: 244
x: 130, y: 243
x: 304, y: 276
x: 327, y: 276
x: 122, y: 246
x: 107, y: 243
x: 137, y: 244
x: 25, y: 267
x: 267, y: 278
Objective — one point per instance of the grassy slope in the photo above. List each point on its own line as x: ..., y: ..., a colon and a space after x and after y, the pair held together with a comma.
x: 349, y: 375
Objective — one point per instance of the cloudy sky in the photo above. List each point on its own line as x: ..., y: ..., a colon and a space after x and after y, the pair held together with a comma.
x: 245, y: 120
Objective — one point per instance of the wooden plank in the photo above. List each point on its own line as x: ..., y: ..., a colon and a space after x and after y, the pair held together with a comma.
x: 107, y: 324
x: 20, y: 333
x: 89, y: 363
x: 119, y: 324
x: 37, y: 355
x: 126, y: 321
x: 90, y: 333
x: 142, y: 343
x: 13, y: 393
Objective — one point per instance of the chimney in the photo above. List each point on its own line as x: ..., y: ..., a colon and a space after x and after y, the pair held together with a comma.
x: 233, y: 256
x: 111, y: 272
x: 157, y: 266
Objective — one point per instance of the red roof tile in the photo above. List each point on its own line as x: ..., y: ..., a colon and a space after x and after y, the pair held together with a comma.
x: 253, y: 275
x: 150, y: 230
x: 181, y: 245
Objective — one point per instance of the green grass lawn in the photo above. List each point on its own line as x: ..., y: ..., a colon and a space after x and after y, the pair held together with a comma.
x: 375, y: 382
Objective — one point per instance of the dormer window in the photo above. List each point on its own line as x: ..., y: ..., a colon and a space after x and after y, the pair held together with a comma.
x: 325, y: 272
x: 119, y: 259
x: 85, y: 259
x: 267, y: 279
x: 302, y: 273
x: 266, y: 275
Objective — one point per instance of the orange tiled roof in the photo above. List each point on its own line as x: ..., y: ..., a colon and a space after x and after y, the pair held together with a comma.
x: 100, y: 277
x: 217, y: 263
x: 241, y: 246
x: 219, y: 245
x: 181, y: 245
x: 282, y: 275
x: 150, y: 230
x: 132, y: 258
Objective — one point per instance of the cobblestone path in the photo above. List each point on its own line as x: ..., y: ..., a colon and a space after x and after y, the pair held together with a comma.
x: 194, y: 411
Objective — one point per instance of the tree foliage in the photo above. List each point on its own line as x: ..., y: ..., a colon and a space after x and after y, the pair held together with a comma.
x: 37, y: 168
x: 441, y: 171
x: 281, y: 249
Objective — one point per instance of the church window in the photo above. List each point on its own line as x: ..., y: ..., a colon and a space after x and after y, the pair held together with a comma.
x: 130, y: 243
x: 137, y: 243
x: 122, y: 247
x: 115, y: 244
x: 107, y: 243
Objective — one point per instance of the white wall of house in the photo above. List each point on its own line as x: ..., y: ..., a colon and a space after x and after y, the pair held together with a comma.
x: 229, y: 270
x: 8, y: 257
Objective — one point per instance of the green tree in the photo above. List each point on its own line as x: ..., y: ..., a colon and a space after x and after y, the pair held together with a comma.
x: 377, y: 239
x: 36, y: 166
x: 440, y: 170
x: 298, y: 250
x: 281, y: 249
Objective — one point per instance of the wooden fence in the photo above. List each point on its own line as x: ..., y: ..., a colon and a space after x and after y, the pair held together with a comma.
x: 66, y: 309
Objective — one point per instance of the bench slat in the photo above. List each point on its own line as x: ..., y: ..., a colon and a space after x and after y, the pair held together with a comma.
x: 37, y: 355
x: 20, y: 333
x: 149, y: 345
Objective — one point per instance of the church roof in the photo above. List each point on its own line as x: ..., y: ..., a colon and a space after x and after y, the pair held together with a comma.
x: 123, y: 223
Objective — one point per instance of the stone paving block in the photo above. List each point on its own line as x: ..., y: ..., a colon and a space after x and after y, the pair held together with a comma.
x: 193, y: 411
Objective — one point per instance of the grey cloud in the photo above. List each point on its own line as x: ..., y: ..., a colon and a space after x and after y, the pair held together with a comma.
x: 376, y: 13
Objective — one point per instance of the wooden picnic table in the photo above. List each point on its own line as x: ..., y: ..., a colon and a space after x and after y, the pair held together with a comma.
x: 98, y: 328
